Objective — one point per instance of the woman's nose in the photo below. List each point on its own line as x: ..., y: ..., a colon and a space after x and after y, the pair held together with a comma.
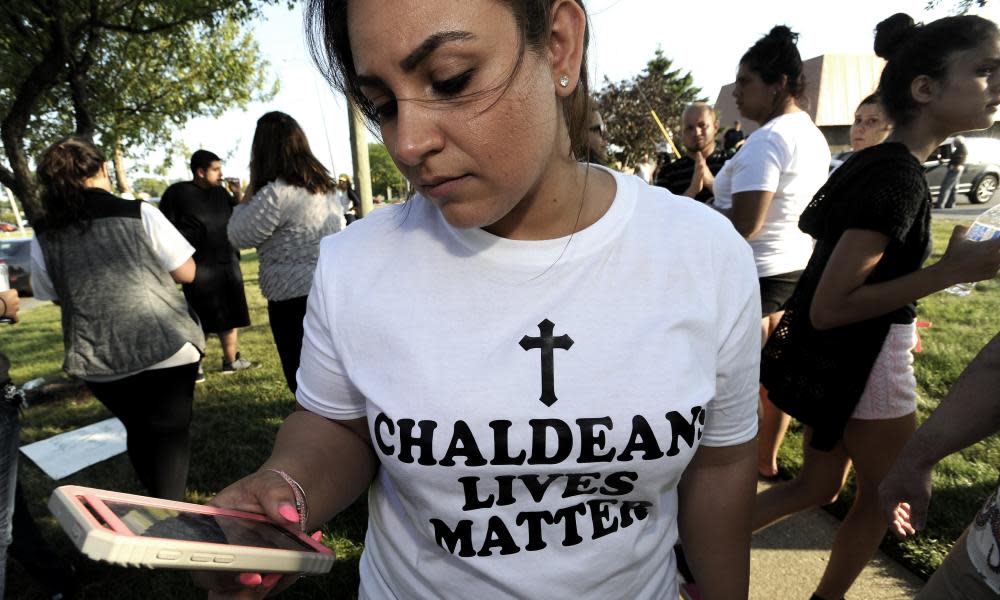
x: 418, y: 132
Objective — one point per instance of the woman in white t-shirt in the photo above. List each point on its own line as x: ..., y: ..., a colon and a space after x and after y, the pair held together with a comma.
x: 568, y: 380
x: 112, y: 265
x: 767, y: 185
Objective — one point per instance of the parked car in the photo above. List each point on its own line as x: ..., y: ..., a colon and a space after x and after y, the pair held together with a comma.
x: 979, y: 180
x: 16, y: 252
x: 981, y: 176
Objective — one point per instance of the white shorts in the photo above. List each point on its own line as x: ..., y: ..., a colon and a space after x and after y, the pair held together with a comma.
x: 891, y: 390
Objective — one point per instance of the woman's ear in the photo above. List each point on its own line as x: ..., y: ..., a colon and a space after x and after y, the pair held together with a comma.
x: 924, y: 88
x: 566, y: 45
x: 781, y: 85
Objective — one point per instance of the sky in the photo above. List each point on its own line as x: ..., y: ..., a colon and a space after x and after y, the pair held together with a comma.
x: 706, y: 38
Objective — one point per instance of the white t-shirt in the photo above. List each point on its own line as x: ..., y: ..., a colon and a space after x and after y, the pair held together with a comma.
x: 983, y: 543
x: 171, y: 250
x: 534, y: 403
x: 787, y: 156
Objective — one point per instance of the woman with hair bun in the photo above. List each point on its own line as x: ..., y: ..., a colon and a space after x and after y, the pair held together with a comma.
x: 517, y: 439
x: 766, y: 185
x: 840, y: 360
x: 112, y: 265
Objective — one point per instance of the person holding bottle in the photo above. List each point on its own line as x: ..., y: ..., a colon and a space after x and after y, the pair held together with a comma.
x: 840, y: 360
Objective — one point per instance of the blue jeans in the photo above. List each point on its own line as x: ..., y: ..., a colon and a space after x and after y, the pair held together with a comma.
x: 10, y: 402
x: 947, y: 195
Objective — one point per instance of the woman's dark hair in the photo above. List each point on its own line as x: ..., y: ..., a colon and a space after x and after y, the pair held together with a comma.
x: 330, y: 47
x: 775, y: 55
x: 280, y: 149
x: 915, y: 49
x: 62, y: 169
x: 870, y: 99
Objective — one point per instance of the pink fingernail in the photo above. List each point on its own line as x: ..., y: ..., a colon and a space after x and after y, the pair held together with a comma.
x: 288, y: 511
x: 250, y: 579
x: 317, y: 536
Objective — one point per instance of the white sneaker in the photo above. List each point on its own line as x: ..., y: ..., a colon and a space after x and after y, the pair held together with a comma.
x: 240, y: 364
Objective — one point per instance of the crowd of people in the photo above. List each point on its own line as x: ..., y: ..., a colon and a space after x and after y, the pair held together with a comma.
x: 591, y: 370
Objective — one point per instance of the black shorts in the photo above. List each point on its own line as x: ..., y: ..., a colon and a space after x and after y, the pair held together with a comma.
x: 775, y: 290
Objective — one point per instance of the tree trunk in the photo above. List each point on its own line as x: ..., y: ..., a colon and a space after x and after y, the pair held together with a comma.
x: 121, y: 180
x: 81, y: 103
x: 15, y: 123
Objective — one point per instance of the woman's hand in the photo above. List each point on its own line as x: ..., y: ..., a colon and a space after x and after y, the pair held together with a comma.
x: 905, y: 495
x: 967, y: 260
x: 11, y: 303
x: 267, y: 493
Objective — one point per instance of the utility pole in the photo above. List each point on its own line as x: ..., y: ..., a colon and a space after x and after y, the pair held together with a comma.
x: 359, y: 152
x: 15, y: 209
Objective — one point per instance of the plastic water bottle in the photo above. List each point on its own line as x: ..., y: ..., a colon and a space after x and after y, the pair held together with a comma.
x: 986, y: 227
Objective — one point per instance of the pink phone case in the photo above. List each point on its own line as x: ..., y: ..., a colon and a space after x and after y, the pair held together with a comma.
x: 113, y: 541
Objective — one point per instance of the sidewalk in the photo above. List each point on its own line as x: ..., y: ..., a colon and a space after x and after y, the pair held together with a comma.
x: 787, y: 561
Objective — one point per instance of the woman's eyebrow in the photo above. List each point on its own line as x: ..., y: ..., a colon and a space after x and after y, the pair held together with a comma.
x: 431, y: 44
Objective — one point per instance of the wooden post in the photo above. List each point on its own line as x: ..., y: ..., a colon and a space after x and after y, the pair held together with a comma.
x: 359, y: 152
x: 15, y: 209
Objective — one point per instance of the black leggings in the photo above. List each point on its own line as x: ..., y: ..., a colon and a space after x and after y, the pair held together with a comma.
x: 155, y: 407
x: 286, y: 327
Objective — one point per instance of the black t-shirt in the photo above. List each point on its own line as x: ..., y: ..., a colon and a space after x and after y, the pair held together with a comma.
x: 677, y: 175
x: 732, y: 137
x: 201, y: 215
x: 818, y: 376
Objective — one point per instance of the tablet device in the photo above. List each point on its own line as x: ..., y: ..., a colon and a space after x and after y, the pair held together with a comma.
x: 139, y: 531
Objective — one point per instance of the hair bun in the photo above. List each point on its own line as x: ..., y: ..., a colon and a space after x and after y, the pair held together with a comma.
x: 782, y: 34
x: 892, y: 33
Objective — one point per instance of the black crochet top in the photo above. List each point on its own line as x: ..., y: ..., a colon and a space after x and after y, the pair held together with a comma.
x: 818, y: 376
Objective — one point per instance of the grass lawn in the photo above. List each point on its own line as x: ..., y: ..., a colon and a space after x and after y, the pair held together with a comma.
x: 960, y: 327
x: 236, y: 417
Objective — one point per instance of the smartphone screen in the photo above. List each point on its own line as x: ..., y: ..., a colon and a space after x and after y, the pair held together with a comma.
x: 167, y: 523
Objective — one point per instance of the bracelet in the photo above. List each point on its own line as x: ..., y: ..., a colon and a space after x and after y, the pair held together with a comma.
x: 300, y: 496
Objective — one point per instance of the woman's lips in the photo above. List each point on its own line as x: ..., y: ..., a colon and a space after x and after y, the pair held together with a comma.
x: 440, y: 187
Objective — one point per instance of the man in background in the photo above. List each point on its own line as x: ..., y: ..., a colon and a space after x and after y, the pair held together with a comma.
x: 200, y: 210
x: 956, y: 165
x: 733, y: 138
x: 597, y: 140
x: 347, y: 197
x: 693, y: 175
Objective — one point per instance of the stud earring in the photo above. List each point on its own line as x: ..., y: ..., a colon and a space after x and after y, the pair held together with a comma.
x: 564, y: 80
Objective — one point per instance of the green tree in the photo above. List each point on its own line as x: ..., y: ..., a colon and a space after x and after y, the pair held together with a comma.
x: 193, y: 70
x: 961, y: 6
x: 626, y: 105
x: 72, y: 66
x: 384, y: 172
x: 154, y: 186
